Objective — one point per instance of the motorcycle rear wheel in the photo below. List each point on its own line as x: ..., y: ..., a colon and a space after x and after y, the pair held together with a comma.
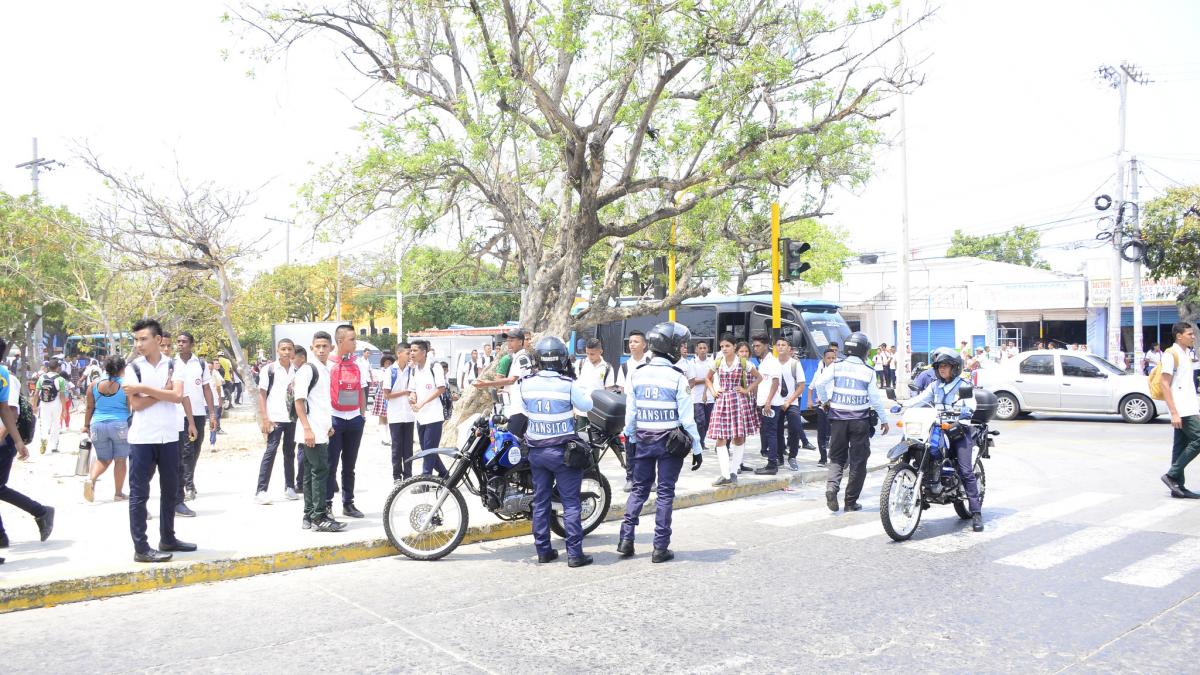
x: 963, y: 507
x: 594, y: 509
x: 412, y: 524
x: 900, y: 492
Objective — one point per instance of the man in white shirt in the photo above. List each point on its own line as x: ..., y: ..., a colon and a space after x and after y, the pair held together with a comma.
x: 314, y: 416
x: 399, y: 412
x: 592, y: 372
x: 787, y: 405
x: 1179, y: 391
x: 828, y: 358
x: 514, y: 365
x: 194, y: 372
x: 154, y: 391
x: 702, y: 402
x: 768, y: 388
x: 185, y: 426
x: 277, y: 424
x: 637, y: 357
x: 349, y: 418
x: 426, y: 386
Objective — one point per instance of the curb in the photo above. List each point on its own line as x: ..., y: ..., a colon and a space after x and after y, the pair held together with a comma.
x: 49, y: 594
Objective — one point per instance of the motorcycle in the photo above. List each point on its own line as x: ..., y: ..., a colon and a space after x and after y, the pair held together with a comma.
x: 425, y: 517
x: 922, y: 469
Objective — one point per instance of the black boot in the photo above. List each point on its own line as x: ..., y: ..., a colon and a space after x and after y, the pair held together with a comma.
x: 977, y: 522
x: 661, y: 555
x: 625, y: 548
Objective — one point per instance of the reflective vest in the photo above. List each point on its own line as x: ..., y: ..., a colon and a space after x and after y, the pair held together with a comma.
x: 546, y: 398
x: 850, y: 399
x: 656, y: 386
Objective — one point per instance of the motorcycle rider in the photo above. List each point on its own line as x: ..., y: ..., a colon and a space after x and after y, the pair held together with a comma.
x: 549, y: 399
x: 850, y: 388
x: 658, y: 402
x: 943, y: 394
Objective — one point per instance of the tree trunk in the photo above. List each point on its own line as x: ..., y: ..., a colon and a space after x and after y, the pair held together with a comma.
x: 235, y: 345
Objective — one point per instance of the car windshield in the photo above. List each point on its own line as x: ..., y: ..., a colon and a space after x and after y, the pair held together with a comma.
x: 1105, y: 366
x: 826, y: 327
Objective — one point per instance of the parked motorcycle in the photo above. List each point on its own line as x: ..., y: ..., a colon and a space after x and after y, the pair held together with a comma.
x: 425, y: 517
x: 922, y: 465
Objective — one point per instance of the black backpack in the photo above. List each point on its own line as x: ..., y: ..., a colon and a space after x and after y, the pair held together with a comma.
x: 290, y: 401
x: 26, y: 420
x: 137, y: 372
x: 48, y: 388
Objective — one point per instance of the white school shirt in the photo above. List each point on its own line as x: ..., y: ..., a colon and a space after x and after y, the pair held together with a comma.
x: 792, y: 374
x: 320, y: 407
x: 593, y: 377
x: 277, y: 395
x: 195, y: 379
x: 162, y: 421
x: 770, y: 370
x: 628, y: 367
x: 1183, y: 386
x: 399, y: 410
x: 424, y: 381
x: 364, y: 376
x: 700, y: 369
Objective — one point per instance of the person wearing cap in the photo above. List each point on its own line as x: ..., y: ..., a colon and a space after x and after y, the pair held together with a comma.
x: 514, y: 365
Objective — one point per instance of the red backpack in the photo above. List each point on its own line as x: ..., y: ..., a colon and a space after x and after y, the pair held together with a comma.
x: 345, y: 385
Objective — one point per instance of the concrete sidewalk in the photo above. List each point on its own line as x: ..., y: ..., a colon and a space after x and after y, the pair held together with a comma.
x: 90, y: 554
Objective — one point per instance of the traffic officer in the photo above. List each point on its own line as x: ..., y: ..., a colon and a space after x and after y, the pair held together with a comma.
x: 549, y: 398
x: 850, y: 388
x: 943, y: 395
x: 658, y: 403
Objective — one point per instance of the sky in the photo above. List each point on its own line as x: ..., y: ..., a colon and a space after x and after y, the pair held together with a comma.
x: 1011, y: 127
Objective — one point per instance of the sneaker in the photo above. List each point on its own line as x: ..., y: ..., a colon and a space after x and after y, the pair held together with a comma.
x: 793, y: 464
x: 189, y: 494
x: 809, y: 446
x: 290, y: 494
x: 262, y: 498
x: 183, y: 510
x: 42, y: 449
x: 745, y: 469
x: 306, y: 524
x: 89, y: 490
x: 329, y: 525
x: 721, y: 481
x: 45, y: 523
x: 822, y: 463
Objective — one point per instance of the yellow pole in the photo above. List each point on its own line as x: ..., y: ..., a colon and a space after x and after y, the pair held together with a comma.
x: 776, y: 311
x: 671, y: 259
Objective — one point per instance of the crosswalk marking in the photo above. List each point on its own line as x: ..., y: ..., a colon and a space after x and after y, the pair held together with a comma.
x: 1163, y: 569
x: 1010, y: 524
x: 867, y: 530
x: 798, y: 517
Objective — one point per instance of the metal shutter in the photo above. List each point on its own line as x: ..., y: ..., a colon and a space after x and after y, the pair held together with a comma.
x: 929, y: 335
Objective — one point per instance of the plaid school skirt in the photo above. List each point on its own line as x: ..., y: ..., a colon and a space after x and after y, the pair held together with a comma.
x: 732, y: 416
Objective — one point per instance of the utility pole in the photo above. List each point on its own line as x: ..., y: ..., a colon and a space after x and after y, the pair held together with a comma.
x: 1118, y: 78
x: 287, y: 237
x: 776, y: 308
x: 35, y: 166
x: 399, y: 294
x: 1139, y: 351
x: 903, y: 329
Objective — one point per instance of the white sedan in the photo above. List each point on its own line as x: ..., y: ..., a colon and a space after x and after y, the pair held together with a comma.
x: 1061, y: 381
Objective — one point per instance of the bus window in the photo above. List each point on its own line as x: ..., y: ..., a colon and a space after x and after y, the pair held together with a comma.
x: 701, y: 320
x: 825, y: 328
x: 733, y: 323
x: 761, y: 320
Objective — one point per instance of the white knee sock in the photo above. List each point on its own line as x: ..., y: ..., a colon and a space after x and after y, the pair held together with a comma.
x: 723, y: 459
x: 739, y: 452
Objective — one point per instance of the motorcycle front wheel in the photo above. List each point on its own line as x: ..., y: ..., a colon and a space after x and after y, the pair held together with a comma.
x: 595, y: 498
x: 900, y: 502
x: 417, y: 525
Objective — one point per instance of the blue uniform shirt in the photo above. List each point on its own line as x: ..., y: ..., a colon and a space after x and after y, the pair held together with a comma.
x: 549, y: 400
x: 658, y: 381
x: 943, y: 395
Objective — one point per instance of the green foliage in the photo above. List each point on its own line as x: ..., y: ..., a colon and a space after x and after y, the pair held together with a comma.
x: 1171, y: 227
x: 447, y: 287
x: 1019, y: 247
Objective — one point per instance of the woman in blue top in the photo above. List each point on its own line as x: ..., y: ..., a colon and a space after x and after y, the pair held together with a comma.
x: 106, y: 422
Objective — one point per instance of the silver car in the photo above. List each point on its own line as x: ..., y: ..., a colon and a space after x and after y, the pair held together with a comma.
x: 1062, y: 381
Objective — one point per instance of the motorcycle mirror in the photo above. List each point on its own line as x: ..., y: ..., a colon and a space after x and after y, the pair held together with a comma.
x: 966, y: 391
x: 913, y: 388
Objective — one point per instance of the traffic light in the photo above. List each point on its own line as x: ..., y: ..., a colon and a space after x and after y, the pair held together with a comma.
x: 790, y: 251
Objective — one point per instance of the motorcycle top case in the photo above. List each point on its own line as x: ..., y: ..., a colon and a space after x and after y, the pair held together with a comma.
x: 608, y: 411
x: 985, y: 406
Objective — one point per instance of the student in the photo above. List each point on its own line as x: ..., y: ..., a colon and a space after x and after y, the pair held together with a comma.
x: 514, y: 365
x: 184, y: 426
x: 51, y: 397
x: 702, y: 400
x: 823, y: 428
x: 203, y: 413
x: 277, y: 424
x: 787, y: 406
x: 314, y: 415
x: 350, y: 380
x: 13, y: 447
x: 1179, y: 391
x: 637, y: 357
x: 426, y: 387
x: 733, y: 416
x: 399, y: 413
x: 380, y: 400
x: 106, y: 421
x: 154, y: 392
x: 592, y: 372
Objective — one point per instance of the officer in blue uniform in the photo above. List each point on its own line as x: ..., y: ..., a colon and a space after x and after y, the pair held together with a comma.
x: 657, y: 405
x: 943, y: 394
x: 850, y: 387
x: 549, y: 399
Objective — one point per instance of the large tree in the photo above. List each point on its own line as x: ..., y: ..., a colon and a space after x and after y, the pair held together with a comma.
x: 1019, y: 247
x: 548, y: 133
x: 1171, y: 227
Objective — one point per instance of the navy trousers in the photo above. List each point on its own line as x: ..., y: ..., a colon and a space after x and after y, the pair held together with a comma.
x: 402, y: 444
x: 823, y: 433
x: 770, y: 433
x: 343, y: 447
x: 546, y: 465
x: 430, y: 436
x: 144, y: 460
x: 648, y: 459
x: 285, y: 433
x: 702, y: 411
x: 794, y: 421
x: 963, y: 450
x: 8, y: 452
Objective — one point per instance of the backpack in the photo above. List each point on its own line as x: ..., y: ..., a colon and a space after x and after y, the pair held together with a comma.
x: 137, y: 372
x: 1157, y: 390
x: 345, y: 385
x: 48, y: 388
x: 289, y: 403
x: 26, y: 420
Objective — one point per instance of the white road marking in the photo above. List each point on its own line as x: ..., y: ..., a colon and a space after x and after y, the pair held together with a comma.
x: 862, y: 531
x: 1163, y: 569
x: 1010, y: 524
x: 1090, y: 539
x: 811, y: 515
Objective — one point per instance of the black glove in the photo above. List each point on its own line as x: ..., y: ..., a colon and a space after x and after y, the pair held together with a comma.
x: 697, y: 460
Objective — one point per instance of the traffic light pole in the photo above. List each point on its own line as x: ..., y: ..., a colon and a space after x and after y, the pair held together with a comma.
x: 776, y: 310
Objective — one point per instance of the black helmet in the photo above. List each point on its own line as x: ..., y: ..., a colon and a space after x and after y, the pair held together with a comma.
x: 551, y: 354
x: 858, y: 344
x: 949, y: 356
x: 666, y: 339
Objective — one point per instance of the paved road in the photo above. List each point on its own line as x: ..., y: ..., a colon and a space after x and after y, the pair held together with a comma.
x: 1085, y: 565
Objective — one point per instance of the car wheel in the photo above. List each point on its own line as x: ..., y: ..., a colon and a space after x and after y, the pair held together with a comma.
x: 1007, y: 407
x: 1137, y: 409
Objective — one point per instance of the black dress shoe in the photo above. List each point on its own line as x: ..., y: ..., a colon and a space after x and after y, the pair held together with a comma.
x: 1174, y: 486
x: 977, y: 522
x: 349, y: 510
x: 151, y: 556
x: 549, y: 556
x: 661, y: 555
x: 45, y: 523
x: 625, y: 548
x: 831, y: 501
x: 853, y: 506
x: 581, y: 561
x: 768, y: 470
x: 745, y: 469
x: 1188, y: 494
x: 181, y: 546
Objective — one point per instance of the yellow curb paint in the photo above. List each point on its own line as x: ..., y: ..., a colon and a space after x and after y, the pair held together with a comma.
x: 97, y: 587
